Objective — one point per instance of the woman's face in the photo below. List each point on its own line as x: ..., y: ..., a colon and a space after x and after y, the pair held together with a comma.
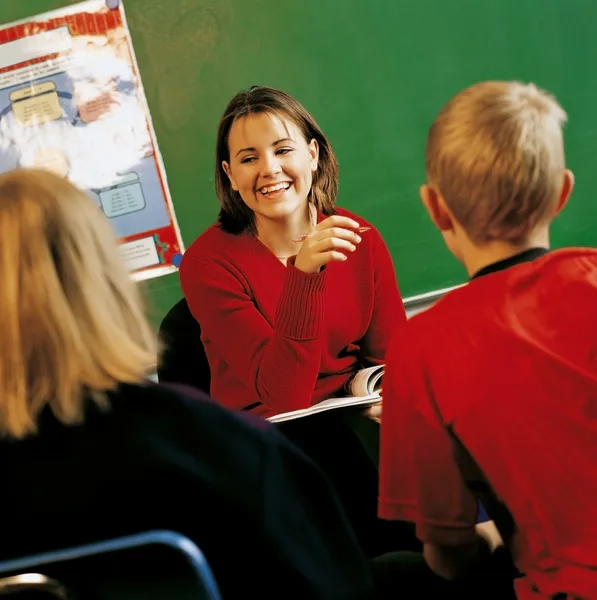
x: 271, y: 165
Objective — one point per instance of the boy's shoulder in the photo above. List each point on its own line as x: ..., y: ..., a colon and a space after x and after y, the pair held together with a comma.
x: 479, y: 299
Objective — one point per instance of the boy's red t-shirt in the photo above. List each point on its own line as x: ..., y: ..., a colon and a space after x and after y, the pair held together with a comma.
x: 495, y: 388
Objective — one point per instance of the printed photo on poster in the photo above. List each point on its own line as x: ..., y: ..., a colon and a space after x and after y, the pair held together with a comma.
x: 72, y: 101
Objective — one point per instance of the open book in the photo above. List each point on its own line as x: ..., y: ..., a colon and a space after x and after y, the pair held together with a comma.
x: 364, y: 387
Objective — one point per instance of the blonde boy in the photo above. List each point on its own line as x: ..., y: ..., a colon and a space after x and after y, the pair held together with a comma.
x: 492, y: 392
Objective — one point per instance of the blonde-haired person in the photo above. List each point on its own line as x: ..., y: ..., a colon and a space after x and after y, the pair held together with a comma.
x: 90, y: 450
x: 286, y: 321
x: 495, y: 385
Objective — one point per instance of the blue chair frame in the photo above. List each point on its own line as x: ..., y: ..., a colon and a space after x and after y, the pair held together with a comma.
x: 205, y: 586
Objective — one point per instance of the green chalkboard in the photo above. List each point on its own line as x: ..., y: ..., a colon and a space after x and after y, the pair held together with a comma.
x: 374, y: 74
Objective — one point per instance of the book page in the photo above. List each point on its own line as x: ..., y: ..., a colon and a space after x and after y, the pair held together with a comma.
x: 329, y: 404
x: 365, y: 387
x: 367, y: 381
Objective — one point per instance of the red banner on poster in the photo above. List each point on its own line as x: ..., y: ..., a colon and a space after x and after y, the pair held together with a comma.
x: 72, y: 101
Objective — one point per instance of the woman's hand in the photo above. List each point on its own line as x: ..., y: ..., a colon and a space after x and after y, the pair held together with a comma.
x: 374, y: 412
x: 328, y: 241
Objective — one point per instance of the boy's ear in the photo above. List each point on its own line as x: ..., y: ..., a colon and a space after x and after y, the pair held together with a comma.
x: 436, y: 207
x: 567, y: 187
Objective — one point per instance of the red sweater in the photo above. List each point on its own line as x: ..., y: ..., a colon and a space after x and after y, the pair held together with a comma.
x: 278, y: 339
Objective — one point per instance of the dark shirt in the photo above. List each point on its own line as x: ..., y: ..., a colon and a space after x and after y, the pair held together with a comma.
x: 169, y: 458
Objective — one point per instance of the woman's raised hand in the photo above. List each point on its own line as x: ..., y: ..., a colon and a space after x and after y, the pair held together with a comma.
x: 331, y: 240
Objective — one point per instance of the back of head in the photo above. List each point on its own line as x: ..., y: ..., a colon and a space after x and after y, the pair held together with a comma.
x: 495, y: 153
x: 72, y: 318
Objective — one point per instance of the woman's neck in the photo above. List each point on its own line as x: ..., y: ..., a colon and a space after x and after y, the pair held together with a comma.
x: 277, y: 236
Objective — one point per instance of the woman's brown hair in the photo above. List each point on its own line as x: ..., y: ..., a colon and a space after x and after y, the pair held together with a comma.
x: 235, y: 216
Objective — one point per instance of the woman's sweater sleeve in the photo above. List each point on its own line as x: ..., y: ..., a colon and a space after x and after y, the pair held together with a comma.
x: 388, y: 309
x: 279, y: 360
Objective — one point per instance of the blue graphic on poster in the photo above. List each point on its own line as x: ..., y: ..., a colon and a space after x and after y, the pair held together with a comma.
x: 71, y: 102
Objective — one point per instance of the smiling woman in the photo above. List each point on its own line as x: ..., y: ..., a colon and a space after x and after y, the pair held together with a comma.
x: 271, y: 167
x: 285, y: 323
x: 280, y: 127
x: 291, y: 300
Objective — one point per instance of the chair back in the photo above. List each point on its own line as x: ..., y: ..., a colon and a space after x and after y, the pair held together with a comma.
x: 146, y: 566
x: 183, y: 359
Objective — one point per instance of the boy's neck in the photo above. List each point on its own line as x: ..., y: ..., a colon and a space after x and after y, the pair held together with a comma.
x: 476, y: 258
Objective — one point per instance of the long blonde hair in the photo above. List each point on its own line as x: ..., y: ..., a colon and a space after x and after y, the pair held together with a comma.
x: 73, y: 323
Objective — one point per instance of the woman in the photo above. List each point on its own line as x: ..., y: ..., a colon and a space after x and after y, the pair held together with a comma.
x: 90, y: 450
x: 285, y: 323
x: 291, y: 298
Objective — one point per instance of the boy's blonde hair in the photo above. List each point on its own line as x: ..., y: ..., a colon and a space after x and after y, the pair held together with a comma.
x: 72, y: 319
x: 495, y: 153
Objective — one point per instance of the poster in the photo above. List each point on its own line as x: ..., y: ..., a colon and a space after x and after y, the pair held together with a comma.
x: 72, y: 101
